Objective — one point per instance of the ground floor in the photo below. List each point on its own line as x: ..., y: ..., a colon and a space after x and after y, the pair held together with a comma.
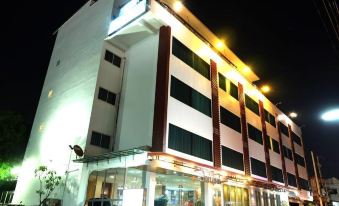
x: 160, y: 180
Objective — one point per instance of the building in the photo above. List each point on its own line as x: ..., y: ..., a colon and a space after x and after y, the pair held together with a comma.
x: 164, y: 113
x: 332, y: 188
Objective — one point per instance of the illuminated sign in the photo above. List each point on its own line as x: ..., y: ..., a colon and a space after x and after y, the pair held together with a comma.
x: 128, y: 13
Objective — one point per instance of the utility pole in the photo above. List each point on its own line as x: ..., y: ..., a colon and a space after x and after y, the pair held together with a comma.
x: 316, y: 169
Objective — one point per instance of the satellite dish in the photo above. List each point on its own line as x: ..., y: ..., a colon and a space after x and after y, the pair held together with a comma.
x: 78, y: 151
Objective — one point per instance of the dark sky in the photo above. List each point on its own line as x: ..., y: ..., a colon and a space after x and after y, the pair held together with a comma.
x: 285, y: 42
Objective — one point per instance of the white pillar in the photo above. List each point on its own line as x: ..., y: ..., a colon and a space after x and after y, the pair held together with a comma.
x: 208, y: 194
x: 150, y: 182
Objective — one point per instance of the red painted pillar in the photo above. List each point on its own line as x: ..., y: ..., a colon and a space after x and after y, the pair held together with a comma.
x: 293, y: 154
x: 283, y: 165
x: 246, y: 152
x: 215, y: 115
x: 161, y: 91
x: 266, y: 149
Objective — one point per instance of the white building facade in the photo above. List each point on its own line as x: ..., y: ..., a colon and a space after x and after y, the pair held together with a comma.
x: 165, y: 115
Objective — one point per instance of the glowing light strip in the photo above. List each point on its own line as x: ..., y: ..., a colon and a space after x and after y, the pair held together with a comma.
x: 130, y: 11
x: 332, y: 115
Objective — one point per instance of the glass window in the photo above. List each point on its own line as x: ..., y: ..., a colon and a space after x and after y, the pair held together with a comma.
x: 291, y: 180
x: 277, y: 174
x: 190, y: 58
x: 265, y: 197
x: 296, y: 138
x: 102, y: 94
x: 303, y: 184
x: 234, y: 90
x: 272, y: 199
x: 235, y: 196
x: 178, y: 190
x: 96, y: 138
x: 222, y: 82
x: 106, y: 96
x: 283, y: 129
x: 117, y: 61
x: 112, y: 58
x: 268, y: 141
x: 251, y: 104
x: 229, y: 119
x: 287, y: 153
x: 190, y: 97
x: 111, y: 98
x: 189, y: 143
x: 100, y: 140
x: 269, y: 118
x: 232, y: 158
x: 258, y: 198
x: 254, y: 134
x: 275, y: 144
x: 300, y: 160
x: 108, y: 56
x: 258, y: 167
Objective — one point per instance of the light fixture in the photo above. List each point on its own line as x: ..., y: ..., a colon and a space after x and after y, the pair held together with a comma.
x: 293, y: 114
x: 265, y: 89
x: 331, y: 115
x: 220, y: 44
x: 246, y: 70
x: 112, y: 176
x: 177, y: 6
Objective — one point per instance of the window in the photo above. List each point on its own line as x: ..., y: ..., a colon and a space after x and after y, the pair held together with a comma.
x: 222, y: 82
x: 283, y: 129
x: 258, y: 198
x: 190, y: 97
x: 189, y: 143
x: 112, y: 58
x: 291, y: 180
x: 229, y: 119
x: 300, y: 160
x: 268, y: 141
x: 272, y: 199
x: 296, y: 138
x: 234, y: 90
x: 190, y: 58
x: 258, y: 167
x: 265, y: 196
x: 235, y: 196
x: 106, y: 96
x: 251, y: 104
x: 278, y: 200
x: 232, y: 158
x: 287, y: 153
x: 254, y: 134
x: 303, y: 184
x: 269, y: 118
x: 277, y: 174
x: 275, y: 144
x: 100, y: 140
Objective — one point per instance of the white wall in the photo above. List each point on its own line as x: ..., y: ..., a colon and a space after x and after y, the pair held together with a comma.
x: 63, y: 119
x: 135, y: 118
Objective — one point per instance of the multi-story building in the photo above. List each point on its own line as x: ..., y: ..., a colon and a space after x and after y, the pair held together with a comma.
x: 163, y: 112
x: 332, y: 188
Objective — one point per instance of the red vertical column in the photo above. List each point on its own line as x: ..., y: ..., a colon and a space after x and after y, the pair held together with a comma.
x: 244, y: 130
x: 161, y: 91
x: 283, y: 165
x: 264, y: 134
x: 293, y: 154
x: 215, y: 115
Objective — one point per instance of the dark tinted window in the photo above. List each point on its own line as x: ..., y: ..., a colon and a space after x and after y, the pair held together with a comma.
x: 106, y: 96
x: 291, y: 180
x: 300, y: 160
x: 232, y: 158
x: 251, y: 104
x: 268, y: 142
x: 275, y: 145
x: 287, y: 153
x: 190, y: 58
x: 258, y: 167
x: 283, y: 129
x: 222, y: 82
x: 189, y: 143
x: 277, y: 174
x: 303, y: 184
x: 229, y: 119
x: 100, y: 140
x: 254, y: 133
x: 234, y: 91
x: 269, y: 118
x: 112, y: 58
x: 190, y: 97
x: 296, y: 138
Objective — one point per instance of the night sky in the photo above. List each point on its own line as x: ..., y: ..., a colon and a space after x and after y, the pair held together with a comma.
x: 284, y: 42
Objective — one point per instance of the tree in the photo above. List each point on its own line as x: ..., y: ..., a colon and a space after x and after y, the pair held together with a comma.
x: 48, y: 181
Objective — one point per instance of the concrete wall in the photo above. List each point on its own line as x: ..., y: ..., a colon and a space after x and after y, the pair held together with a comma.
x: 62, y: 119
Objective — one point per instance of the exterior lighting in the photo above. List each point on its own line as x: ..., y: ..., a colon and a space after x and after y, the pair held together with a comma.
x: 15, y: 171
x: 293, y: 114
x: 177, y: 6
x: 265, y: 89
x: 220, y: 45
x: 332, y: 115
x: 50, y: 93
x: 246, y: 69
